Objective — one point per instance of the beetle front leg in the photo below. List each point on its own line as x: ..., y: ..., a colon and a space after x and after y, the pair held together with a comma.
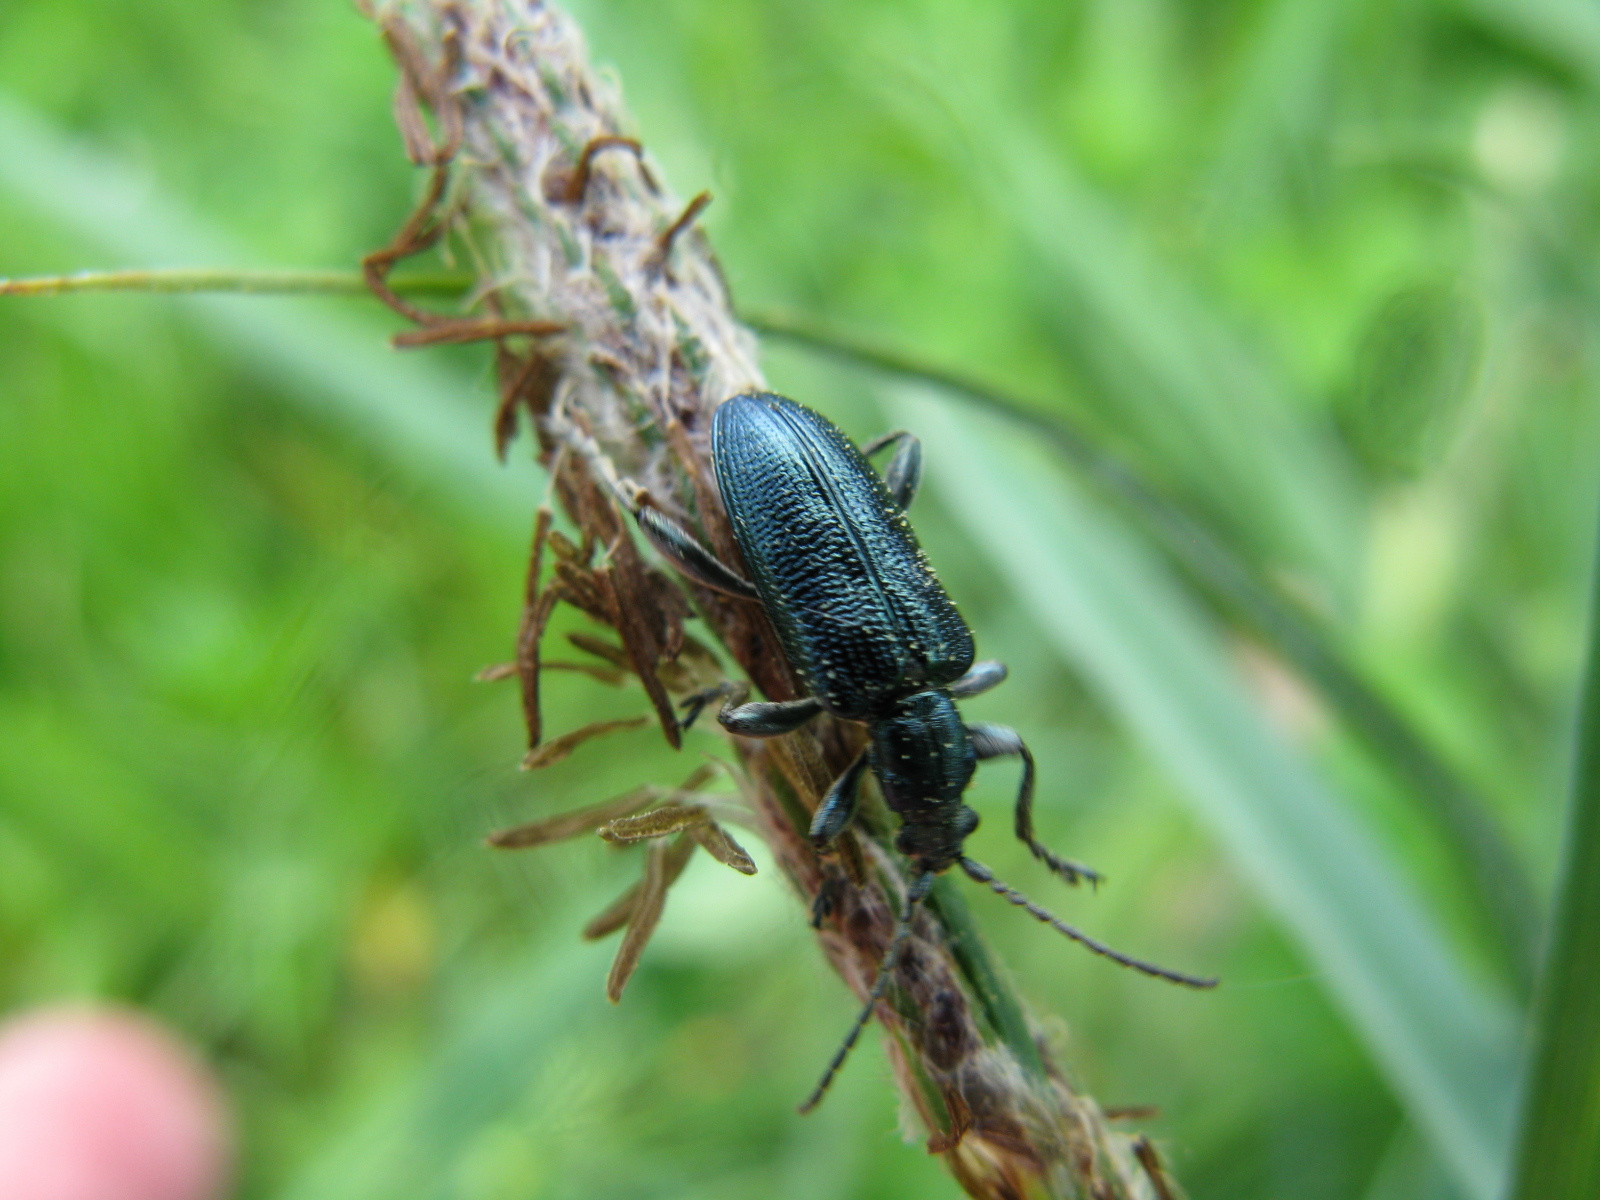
x: 684, y: 551
x: 983, y: 676
x: 993, y: 741
x: 904, y: 473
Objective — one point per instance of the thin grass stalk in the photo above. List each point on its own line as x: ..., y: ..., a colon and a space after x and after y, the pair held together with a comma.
x: 568, y: 222
x: 1558, y: 1148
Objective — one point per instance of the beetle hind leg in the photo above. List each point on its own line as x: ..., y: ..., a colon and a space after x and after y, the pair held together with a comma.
x: 904, y: 472
x: 994, y: 741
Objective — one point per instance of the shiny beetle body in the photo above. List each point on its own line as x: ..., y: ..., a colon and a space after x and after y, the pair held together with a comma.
x: 862, y: 617
x: 868, y: 627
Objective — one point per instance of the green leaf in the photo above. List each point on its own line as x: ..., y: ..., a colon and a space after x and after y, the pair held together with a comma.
x: 1558, y: 1153
x: 1445, y: 1045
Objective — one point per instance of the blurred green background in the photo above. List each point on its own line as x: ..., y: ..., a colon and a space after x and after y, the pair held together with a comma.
x: 1320, y: 272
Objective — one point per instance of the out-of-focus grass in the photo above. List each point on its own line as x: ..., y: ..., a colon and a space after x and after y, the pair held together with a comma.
x: 242, y: 775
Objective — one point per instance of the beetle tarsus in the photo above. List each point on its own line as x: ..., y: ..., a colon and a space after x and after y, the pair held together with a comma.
x: 826, y: 902
x: 695, y: 704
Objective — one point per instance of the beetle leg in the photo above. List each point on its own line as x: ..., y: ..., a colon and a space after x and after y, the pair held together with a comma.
x: 904, y: 472
x: 992, y: 741
x: 983, y: 676
x: 838, y: 807
x: 767, y: 718
x: 680, y: 547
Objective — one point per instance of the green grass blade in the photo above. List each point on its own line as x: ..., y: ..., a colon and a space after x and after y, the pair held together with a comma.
x: 1567, y: 32
x: 1445, y: 1045
x: 1558, y: 1152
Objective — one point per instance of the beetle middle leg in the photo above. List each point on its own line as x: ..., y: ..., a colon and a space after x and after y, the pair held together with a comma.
x: 904, y: 472
x: 838, y: 807
x: 993, y: 741
x: 832, y: 818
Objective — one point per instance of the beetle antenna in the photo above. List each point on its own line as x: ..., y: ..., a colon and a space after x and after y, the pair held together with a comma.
x: 915, y: 894
x: 982, y: 874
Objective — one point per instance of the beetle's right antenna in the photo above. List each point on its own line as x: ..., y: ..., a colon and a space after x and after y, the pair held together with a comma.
x: 915, y: 895
x: 982, y: 874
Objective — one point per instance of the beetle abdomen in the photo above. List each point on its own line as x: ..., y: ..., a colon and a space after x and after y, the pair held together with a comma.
x: 861, y: 616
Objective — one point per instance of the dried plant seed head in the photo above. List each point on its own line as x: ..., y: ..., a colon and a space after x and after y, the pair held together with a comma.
x: 534, y: 159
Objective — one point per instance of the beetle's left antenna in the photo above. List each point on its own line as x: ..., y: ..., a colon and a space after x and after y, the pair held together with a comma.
x: 982, y: 874
x: 915, y: 895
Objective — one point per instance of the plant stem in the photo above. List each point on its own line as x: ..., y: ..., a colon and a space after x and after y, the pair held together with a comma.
x: 185, y: 279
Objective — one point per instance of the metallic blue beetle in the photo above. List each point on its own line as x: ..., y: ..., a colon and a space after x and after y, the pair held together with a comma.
x: 870, y: 630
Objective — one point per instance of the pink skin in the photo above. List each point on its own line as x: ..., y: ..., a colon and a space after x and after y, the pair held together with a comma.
x: 102, y: 1104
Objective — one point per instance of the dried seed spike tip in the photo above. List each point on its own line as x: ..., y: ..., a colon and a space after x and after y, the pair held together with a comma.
x: 663, y: 247
x: 1154, y: 1170
x: 716, y: 842
x: 642, y: 921
x: 578, y: 182
x: 473, y: 329
x: 557, y: 749
x: 613, y: 916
